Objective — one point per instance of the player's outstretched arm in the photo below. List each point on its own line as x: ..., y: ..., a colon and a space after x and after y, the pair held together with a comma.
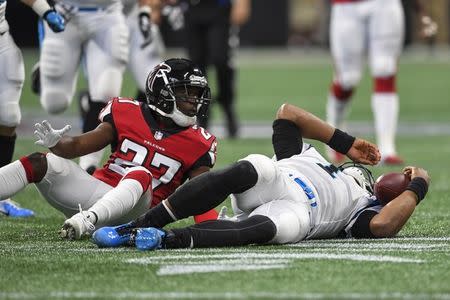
x: 394, y: 215
x: 73, y: 146
x: 312, y: 127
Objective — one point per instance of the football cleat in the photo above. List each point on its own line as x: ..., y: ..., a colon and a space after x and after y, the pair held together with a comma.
x: 392, y: 160
x: 12, y: 209
x: 108, y: 237
x: 334, y: 156
x: 149, y: 238
x: 77, y: 226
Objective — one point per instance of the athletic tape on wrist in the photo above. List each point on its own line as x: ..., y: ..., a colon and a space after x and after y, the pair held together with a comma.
x: 41, y: 7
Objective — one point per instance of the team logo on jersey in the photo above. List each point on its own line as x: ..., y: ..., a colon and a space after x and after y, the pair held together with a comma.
x: 158, y: 135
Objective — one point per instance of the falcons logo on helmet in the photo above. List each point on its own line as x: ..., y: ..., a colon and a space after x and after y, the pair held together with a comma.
x: 159, y: 71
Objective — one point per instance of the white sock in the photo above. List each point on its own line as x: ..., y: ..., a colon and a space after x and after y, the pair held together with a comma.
x: 91, y: 159
x: 118, y: 201
x: 13, y: 179
x: 337, y: 112
x: 385, y: 108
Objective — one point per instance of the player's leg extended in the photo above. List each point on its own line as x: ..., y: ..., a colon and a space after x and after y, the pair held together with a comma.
x: 128, y: 200
x: 144, y: 54
x: 195, y: 197
x: 386, y: 38
x: 69, y: 189
x: 15, y: 176
x: 59, y: 60
x: 11, y: 81
x: 106, y: 58
x: 256, y: 229
x: 347, y: 46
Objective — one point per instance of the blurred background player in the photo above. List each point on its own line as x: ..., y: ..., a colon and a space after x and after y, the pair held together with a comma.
x: 12, y: 75
x: 212, y: 28
x: 97, y: 32
x: 379, y: 26
x: 146, y: 48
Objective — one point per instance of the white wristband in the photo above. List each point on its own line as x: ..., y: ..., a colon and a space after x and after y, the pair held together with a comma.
x: 41, y: 7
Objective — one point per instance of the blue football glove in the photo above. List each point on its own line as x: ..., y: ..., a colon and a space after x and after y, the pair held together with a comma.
x: 54, y: 20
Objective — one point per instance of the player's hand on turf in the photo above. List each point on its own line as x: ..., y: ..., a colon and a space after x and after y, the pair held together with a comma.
x: 54, y: 20
x: 47, y: 136
x: 414, y: 172
x: 364, y: 152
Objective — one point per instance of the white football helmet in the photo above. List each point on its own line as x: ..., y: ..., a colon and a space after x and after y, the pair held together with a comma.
x: 362, y: 175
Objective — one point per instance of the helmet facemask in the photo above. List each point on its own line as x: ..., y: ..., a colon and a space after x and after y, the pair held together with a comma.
x: 361, y: 174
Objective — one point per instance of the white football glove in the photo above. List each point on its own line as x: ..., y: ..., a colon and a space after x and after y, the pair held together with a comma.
x: 47, y: 136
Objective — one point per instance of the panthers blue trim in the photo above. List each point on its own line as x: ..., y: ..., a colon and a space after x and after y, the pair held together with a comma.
x: 307, y: 190
x: 41, y: 32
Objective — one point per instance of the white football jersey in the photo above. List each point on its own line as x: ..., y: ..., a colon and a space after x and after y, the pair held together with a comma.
x: 91, y: 3
x: 3, y: 23
x: 334, y: 196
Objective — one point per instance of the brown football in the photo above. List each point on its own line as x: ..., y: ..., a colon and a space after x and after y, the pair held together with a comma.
x: 390, y: 185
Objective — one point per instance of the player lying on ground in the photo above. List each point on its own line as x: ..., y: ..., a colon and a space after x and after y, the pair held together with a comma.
x: 298, y: 196
x: 155, y: 147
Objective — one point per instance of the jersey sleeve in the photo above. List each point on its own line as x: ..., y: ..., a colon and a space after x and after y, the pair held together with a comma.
x: 359, y: 227
x: 208, y: 159
x: 106, y: 113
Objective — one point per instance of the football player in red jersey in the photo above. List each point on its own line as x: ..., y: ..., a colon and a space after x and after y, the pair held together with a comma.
x: 155, y: 146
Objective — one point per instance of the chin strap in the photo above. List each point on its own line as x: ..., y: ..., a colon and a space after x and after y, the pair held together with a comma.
x: 177, y: 116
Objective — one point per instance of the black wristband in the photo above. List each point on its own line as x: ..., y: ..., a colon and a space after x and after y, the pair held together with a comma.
x: 419, y: 186
x: 341, y: 141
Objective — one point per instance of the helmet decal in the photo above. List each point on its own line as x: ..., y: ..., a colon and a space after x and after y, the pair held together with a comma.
x: 159, y: 71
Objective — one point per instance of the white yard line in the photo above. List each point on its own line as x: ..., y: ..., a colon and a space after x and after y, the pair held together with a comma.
x: 220, y: 295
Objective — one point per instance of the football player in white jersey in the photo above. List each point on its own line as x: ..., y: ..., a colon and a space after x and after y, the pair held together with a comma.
x: 97, y: 32
x: 297, y: 195
x: 379, y: 26
x: 145, y: 51
x: 12, y: 75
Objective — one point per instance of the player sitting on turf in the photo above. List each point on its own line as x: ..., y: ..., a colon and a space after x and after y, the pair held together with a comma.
x: 296, y: 197
x: 155, y: 147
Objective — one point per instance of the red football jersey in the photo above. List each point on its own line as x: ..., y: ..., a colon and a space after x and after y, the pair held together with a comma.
x: 168, y: 154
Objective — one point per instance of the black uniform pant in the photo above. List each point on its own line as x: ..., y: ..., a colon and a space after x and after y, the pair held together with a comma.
x: 208, y: 34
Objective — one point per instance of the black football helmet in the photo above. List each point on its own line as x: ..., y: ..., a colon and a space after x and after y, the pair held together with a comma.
x: 177, y: 79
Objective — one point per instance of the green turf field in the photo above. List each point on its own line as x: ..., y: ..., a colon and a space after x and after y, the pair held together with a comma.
x: 36, y: 264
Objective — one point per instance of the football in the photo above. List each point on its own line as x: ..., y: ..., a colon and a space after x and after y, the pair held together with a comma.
x: 390, y: 185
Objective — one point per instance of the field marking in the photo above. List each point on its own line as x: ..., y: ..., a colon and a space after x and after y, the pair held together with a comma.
x: 383, y: 246
x: 220, y: 295
x: 275, y: 255
x: 209, y: 263
x: 182, y: 269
